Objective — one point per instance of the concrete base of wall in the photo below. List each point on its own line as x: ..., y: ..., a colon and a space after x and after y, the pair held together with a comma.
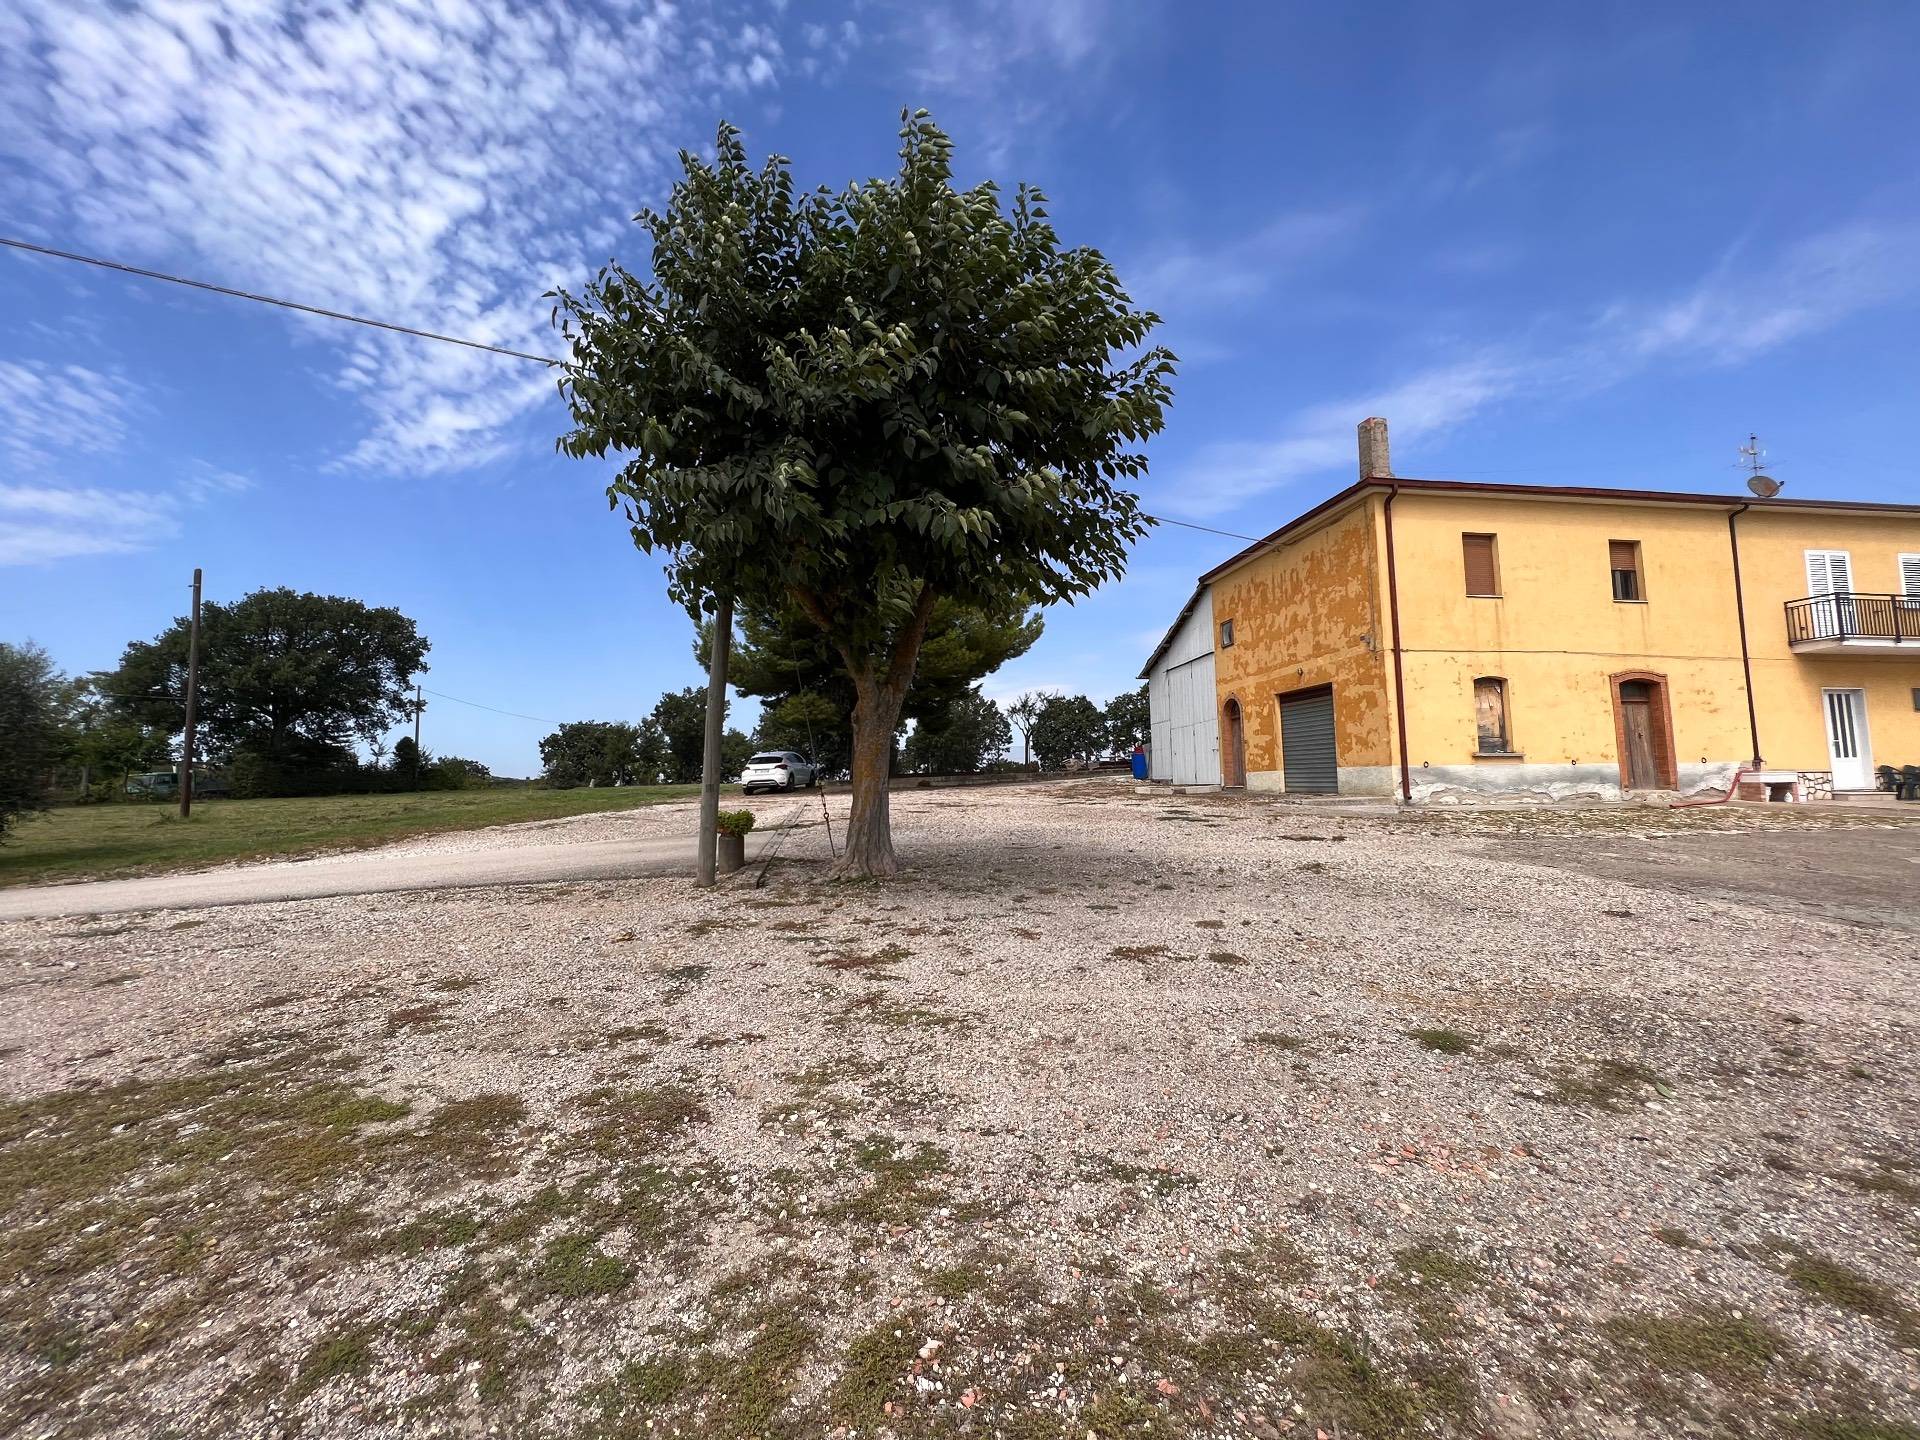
x: 1552, y: 784
x: 1374, y: 780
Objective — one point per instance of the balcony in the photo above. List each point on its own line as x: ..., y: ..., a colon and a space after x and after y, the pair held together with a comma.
x: 1849, y: 623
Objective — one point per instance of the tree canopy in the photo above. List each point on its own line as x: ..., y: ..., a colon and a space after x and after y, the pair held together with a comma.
x: 864, y: 402
x: 284, y: 675
x: 1129, y: 721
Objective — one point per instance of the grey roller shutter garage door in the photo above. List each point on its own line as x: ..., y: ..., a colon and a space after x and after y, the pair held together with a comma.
x: 1306, y: 743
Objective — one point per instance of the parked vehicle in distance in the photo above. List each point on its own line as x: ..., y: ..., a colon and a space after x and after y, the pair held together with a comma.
x: 777, y: 770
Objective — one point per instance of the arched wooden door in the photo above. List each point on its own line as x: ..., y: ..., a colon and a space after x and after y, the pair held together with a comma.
x: 1233, y: 750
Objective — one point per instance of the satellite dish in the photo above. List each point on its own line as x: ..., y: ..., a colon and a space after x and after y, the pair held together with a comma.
x: 1765, y: 486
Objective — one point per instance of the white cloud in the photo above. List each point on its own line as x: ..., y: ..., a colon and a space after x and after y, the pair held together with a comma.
x: 1734, y: 315
x: 1235, y: 271
x: 58, y: 420
x: 435, y: 162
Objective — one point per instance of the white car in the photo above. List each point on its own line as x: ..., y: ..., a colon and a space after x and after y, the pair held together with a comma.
x: 777, y: 770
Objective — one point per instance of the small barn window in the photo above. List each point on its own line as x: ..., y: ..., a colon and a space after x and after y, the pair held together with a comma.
x: 1490, y: 715
x: 1624, y: 558
x: 1483, y: 575
x: 1226, y: 634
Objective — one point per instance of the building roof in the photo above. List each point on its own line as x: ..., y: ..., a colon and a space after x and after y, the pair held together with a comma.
x: 1590, y: 494
x: 1173, y: 629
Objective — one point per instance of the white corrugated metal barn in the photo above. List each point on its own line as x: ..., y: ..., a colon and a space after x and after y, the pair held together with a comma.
x: 1179, y: 676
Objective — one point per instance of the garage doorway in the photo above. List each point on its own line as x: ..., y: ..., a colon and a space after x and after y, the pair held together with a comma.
x: 1233, y: 750
x: 1309, y: 761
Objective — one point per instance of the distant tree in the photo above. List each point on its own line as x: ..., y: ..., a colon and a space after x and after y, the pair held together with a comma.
x: 1068, y: 730
x: 29, y: 730
x: 450, y: 772
x: 287, y: 676
x: 862, y: 404
x: 1023, y: 711
x: 781, y: 657
x: 100, y: 742
x: 959, y: 740
x: 410, y: 762
x: 1129, y: 721
x: 681, y: 717
x: 603, y: 752
x: 736, y: 748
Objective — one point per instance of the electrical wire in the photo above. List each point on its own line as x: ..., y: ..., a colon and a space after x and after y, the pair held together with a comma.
x: 540, y: 719
x: 305, y: 309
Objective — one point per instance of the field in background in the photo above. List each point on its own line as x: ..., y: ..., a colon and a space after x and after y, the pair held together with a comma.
x: 95, y: 841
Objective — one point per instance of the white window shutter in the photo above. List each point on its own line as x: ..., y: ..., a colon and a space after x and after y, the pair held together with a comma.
x: 1910, y: 576
x: 1829, y: 572
x: 1819, y: 581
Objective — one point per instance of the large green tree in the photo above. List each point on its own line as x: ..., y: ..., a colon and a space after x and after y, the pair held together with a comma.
x: 285, y: 676
x: 29, y: 730
x: 864, y: 402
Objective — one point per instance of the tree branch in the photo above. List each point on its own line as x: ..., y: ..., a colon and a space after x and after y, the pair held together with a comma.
x: 906, y: 649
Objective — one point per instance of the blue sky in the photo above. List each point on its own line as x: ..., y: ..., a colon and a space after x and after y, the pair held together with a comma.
x: 1591, y: 245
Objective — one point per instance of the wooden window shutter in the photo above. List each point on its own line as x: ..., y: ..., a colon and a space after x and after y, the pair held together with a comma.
x: 1624, y: 554
x: 1481, y: 576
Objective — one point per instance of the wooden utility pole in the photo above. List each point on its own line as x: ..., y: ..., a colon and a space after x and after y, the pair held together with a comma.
x: 418, y: 706
x: 716, y: 719
x: 193, y: 687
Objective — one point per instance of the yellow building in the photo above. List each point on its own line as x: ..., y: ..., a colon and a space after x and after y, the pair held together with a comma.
x: 1431, y: 639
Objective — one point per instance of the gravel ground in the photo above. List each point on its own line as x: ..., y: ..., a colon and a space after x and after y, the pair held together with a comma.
x: 1115, y: 1115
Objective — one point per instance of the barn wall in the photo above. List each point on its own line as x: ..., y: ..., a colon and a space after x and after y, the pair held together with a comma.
x: 1180, y: 695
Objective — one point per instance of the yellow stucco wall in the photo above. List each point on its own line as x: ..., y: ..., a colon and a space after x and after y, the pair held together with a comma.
x: 1306, y: 614
x: 1787, y: 687
x: 1314, y: 612
x: 1556, y: 635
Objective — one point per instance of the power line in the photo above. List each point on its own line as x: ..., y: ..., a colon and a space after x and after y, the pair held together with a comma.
x: 272, y: 300
x: 494, y: 708
x: 305, y: 309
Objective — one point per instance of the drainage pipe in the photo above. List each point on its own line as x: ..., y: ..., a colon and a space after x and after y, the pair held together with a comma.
x: 1740, y: 609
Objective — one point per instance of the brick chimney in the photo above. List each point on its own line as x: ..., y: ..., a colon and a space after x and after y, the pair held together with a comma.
x: 1374, y: 463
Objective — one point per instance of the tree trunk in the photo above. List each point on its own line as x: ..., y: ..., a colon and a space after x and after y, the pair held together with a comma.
x: 876, y: 713
x: 878, y: 696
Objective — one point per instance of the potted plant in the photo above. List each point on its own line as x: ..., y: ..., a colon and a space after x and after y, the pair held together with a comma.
x: 731, y: 846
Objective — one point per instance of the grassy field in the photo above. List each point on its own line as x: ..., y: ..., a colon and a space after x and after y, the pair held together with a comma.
x: 90, y: 842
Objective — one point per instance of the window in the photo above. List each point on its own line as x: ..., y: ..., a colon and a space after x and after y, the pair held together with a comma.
x: 1483, y: 576
x: 1226, y: 634
x: 1910, y: 579
x: 1490, y: 715
x: 1624, y: 557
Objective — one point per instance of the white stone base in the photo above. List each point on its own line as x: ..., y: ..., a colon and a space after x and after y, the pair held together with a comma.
x: 1520, y: 783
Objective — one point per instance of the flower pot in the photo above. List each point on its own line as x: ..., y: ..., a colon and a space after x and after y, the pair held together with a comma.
x: 731, y: 853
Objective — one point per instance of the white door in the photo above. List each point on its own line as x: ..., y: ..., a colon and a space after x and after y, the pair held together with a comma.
x: 1830, y: 575
x: 1849, y: 754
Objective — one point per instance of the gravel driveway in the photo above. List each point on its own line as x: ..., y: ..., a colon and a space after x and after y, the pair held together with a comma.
x: 1117, y: 1115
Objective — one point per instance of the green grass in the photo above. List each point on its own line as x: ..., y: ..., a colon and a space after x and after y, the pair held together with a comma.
x: 92, y: 841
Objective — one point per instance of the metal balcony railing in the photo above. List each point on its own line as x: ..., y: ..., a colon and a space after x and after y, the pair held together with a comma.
x: 1849, y: 615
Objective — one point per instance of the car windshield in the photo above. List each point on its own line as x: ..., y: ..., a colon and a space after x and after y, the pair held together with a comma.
x: 768, y: 760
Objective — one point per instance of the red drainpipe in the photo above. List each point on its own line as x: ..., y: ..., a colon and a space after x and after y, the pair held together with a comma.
x: 1399, y: 678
